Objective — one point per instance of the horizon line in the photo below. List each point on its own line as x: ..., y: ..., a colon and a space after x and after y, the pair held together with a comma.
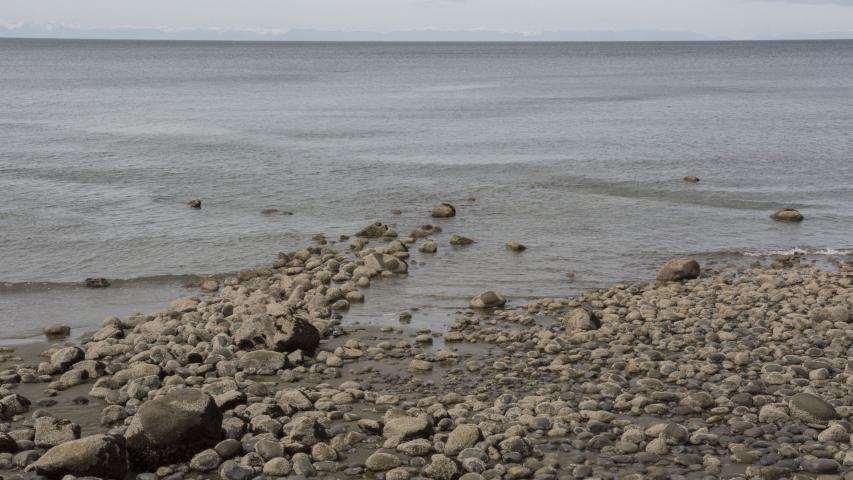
x: 273, y: 40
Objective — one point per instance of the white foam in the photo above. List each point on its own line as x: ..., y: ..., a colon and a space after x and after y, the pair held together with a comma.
x: 800, y: 251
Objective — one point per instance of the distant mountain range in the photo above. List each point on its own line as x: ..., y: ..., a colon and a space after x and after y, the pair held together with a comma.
x: 129, y: 33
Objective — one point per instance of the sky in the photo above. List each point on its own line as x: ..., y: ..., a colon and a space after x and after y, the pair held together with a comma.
x: 732, y: 19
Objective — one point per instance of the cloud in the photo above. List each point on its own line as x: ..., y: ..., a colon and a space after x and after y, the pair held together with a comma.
x: 844, y: 3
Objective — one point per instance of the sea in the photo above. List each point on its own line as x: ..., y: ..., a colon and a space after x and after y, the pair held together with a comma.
x: 577, y: 150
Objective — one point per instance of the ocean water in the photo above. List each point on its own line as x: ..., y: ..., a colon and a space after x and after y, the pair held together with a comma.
x: 575, y: 149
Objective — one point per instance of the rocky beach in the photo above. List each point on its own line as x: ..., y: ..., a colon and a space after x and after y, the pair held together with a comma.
x: 705, y: 372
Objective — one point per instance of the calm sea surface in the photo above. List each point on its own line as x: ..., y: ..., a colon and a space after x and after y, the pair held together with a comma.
x: 577, y: 150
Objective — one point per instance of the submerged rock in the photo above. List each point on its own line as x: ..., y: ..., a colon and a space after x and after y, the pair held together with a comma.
x: 684, y: 268
x: 459, y: 240
x: 275, y: 211
x: 375, y: 230
x: 515, y: 246
x: 97, y: 282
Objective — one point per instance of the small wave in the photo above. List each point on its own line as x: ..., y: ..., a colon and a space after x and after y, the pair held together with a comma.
x: 183, y: 279
x: 671, y: 191
x: 457, y: 88
x: 830, y: 252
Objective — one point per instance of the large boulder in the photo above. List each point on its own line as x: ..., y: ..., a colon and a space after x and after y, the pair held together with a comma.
x: 285, y: 334
x: 102, y: 456
x: 64, y: 358
x: 684, y: 268
x: 490, y: 299
x: 172, y: 428
x: 444, y: 210
x: 811, y: 408
x: 401, y: 429
x: 382, y: 262
x: 787, y: 215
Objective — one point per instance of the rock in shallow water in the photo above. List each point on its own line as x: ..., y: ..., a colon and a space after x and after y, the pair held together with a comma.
x: 489, y: 299
x: 58, y: 330
x: 459, y: 240
x: 787, y: 215
x: 444, y: 210
x: 515, y: 246
x: 684, y: 268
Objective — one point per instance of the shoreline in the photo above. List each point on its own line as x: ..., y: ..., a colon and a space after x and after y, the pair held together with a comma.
x: 698, y: 378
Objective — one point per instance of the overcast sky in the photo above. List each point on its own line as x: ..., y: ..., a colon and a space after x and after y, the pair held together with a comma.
x: 718, y: 18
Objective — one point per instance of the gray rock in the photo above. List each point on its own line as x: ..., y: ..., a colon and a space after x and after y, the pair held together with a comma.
x: 277, y: 467
x: 787, y: 215
x: 684, y: 268
x: 57, y: 331
x: 459, y: 240
x: 581, y: 319
x: 820, y: 465
x: 302, y: 465
x: 172, y: 428
x: 381, y: 461
x: 228, y: 448
x: 811, y: 408
x: 101, y: 456
x: 489, y: 299
x: 462, y: 437
x: 7, y: 444
x: 51, y: 432
x: 205, y: 461
x: 835, y: 314
x: 515, y: 246
x: 444, y: 210
x: 64, y: 358
x: 376, y: 230
x: 382, y: 262
x: 401, y: 429
x: 13, y: 404
x: 232, y: 470
x: 441, y: 468
x: 428, y: 247
x: 262, y: 359
x: 285, y: 334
